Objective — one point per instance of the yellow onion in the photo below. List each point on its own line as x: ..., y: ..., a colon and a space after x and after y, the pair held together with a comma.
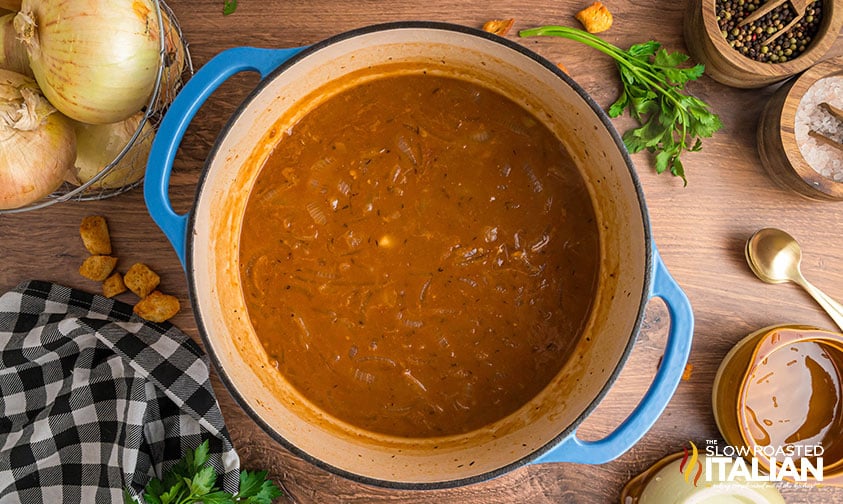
x: 12, y: 54
x: 37, y: 143
x: 95, y: 60
x: 97, y: 145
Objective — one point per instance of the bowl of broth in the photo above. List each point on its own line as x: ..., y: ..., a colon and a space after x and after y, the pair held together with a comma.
x: 418, y: 255
x: 778, y: 399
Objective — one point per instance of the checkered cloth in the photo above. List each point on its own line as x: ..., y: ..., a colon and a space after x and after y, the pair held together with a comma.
x: 94, y: 400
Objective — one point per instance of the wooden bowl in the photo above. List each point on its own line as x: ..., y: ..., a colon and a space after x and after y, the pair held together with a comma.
x: 724, y: 64
x: 777, y: 145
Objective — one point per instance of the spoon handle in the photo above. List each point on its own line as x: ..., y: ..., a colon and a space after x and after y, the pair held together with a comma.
x: 832, y: 307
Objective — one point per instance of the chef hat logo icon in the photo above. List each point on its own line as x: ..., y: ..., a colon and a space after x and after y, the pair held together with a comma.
x: 691, y: 464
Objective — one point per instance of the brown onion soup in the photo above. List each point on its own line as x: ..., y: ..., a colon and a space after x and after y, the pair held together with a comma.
x: 419, y: 255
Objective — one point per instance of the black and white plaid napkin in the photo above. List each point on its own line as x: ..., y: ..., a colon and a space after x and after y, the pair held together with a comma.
x: 94, y: 400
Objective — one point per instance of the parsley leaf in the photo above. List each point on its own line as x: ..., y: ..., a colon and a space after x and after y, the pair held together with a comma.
x: 255, y: 489
x: 228, y: 7
x: 669, y: 121
x: 192, y: 481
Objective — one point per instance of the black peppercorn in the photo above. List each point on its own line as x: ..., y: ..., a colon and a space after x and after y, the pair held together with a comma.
x: 750, y: 39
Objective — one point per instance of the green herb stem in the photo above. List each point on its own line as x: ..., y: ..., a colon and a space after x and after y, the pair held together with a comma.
x: 652, y: 92
x: 620, y: 56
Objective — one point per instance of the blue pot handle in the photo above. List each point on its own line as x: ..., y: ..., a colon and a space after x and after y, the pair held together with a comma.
x: 177, y: 119
x: 677, y: 349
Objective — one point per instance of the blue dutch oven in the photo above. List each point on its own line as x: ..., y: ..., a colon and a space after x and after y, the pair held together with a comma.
x: 631, y: 272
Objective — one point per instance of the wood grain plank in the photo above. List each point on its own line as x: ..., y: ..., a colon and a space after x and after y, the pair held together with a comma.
x: 700, y: 230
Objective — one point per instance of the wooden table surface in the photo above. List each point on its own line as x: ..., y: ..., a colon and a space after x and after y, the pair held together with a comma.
x: 700, y: 230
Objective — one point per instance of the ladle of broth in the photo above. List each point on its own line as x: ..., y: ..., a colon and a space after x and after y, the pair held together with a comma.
x: 778, y: 397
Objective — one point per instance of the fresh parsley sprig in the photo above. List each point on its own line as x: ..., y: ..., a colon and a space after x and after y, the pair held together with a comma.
x: 670, y: 122
x: 228, y: 7
x: 190, y: 480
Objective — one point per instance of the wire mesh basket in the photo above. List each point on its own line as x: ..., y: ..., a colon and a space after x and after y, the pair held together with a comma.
x: 125, y: 170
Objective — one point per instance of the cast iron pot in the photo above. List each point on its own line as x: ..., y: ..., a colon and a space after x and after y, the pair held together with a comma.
x: 206, y: 240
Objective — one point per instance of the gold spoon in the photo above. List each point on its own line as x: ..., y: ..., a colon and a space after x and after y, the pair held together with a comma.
x: 774, y: 256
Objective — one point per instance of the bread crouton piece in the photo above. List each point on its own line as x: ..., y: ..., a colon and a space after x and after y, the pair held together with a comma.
x: 95, y: 237
x: 141, y: 280
x: 595, y: 18
x: 97, y: 267
x: 113, y: 285
x: 157, y: 307
x: 498, y: 26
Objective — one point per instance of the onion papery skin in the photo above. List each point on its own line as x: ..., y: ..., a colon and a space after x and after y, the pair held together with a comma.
x: 35, y: 160
x: 175, y: 61
x: 12, y: 53
x: 98, y: 145
x: 10, y: 5
x: 95, y: 60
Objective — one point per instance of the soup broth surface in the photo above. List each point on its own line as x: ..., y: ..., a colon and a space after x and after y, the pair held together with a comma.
x: 419, y: 255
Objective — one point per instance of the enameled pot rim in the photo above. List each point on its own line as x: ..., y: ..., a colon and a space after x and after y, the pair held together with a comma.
x: 644, y: 295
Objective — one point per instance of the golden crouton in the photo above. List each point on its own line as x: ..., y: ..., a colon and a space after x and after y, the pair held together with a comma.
x: 595, y: 18
x: 499, y: 26
x: 141, y: 280
x: 113, y: 285
x: 94, y: 232
x: 97, y: 267
x: 157, y: 307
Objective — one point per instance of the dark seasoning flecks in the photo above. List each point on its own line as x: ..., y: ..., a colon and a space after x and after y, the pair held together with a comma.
x: 750, y: 39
